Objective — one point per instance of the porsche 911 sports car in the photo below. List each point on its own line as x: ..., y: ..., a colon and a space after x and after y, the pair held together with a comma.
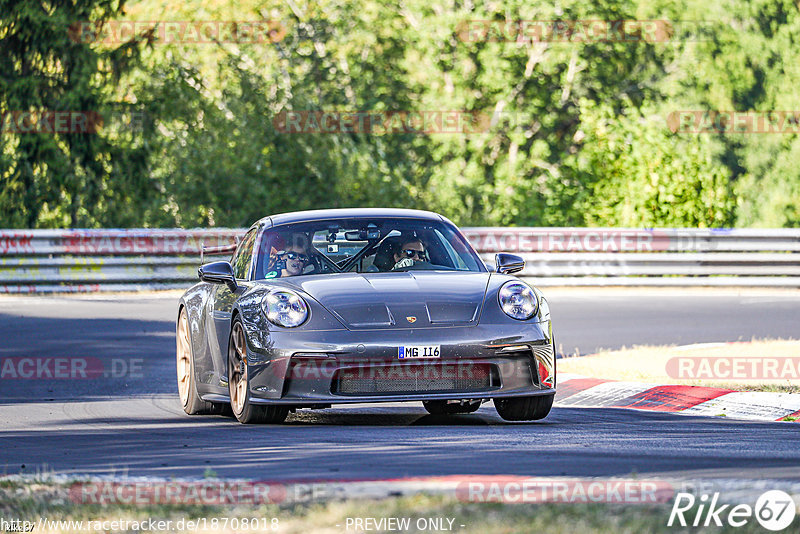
x: 362, y: 305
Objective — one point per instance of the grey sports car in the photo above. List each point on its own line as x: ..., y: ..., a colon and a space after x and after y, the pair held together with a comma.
x: 339, y: 306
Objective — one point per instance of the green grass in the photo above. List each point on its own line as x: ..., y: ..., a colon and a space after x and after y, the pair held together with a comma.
x: 772, y: 388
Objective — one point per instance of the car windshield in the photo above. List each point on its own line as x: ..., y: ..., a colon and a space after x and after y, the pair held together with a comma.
x: 363, y: 246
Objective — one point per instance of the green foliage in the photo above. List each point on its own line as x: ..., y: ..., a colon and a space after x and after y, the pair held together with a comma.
x: 634, y: 172
x: 64, y: 179
x: 578, y: 134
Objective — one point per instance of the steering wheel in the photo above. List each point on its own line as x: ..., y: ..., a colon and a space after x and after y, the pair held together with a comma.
x: 418, y: 266
x: 322, y: 264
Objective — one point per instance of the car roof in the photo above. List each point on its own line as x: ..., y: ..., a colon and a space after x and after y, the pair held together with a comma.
x: 348, y: 213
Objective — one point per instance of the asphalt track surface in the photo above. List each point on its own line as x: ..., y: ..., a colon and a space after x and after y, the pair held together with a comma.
x: 133, y: 425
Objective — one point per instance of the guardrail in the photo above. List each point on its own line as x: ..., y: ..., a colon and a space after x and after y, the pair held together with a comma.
x: 47, y: 261
x: 652, y: 257
x: 42, y: 261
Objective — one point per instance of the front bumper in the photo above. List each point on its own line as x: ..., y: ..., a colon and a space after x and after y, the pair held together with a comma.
x: 335, y: 367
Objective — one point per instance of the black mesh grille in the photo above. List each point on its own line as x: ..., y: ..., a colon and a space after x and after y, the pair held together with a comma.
x: 428, y: 378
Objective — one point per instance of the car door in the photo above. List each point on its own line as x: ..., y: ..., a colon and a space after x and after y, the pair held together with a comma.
x: 221, y: 305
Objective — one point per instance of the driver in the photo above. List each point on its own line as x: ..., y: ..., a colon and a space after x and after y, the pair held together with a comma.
x: 409, y: 252
x: 291, y: 260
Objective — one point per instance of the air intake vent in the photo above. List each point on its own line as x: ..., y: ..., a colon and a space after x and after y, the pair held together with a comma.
x: 535, y: 355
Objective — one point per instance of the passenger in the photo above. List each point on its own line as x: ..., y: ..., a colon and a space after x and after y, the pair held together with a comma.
x: 291, y: 260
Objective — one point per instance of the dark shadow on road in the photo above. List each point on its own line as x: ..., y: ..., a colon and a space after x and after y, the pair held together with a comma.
x: 120, y: 357
x: 381, y: 444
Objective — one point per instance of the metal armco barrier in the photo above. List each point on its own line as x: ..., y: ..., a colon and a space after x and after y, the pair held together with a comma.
x: 42, y: 261
x: 47, y: 261
x: 648, y: 257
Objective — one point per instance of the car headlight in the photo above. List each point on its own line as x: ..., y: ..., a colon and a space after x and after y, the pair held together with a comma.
x: 517, y: 300
x: 285, y: 308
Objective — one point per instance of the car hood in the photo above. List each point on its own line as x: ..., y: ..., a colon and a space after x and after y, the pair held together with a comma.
x: 398, y: 300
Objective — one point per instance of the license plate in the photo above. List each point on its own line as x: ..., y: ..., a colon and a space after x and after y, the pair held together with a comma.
x: 409, y: 352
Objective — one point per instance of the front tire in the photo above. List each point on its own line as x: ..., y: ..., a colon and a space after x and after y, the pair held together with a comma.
x: 524, y: 408
x: 239, y: 384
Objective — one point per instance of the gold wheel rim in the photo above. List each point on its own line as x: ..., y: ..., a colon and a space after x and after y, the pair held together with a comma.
x: 184, y: 364
x: 238, y: 369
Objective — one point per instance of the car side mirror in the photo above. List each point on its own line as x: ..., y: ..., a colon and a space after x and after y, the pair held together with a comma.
x: 509, y: 263
x: 218, y: 272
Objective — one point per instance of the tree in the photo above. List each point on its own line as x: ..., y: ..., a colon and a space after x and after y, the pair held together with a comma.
x: 85, y: 169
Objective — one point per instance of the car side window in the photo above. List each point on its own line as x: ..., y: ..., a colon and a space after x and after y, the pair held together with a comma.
x: 453, y: 256
x: 241, y: 259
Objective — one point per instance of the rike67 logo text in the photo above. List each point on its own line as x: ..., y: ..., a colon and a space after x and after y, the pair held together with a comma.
x: 774, y: 510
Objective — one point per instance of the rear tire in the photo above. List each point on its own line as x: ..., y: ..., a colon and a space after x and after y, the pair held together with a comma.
x: 524, y: 408
x: 239, y: 385
x: 187, y: 385
x: 440, y: 407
